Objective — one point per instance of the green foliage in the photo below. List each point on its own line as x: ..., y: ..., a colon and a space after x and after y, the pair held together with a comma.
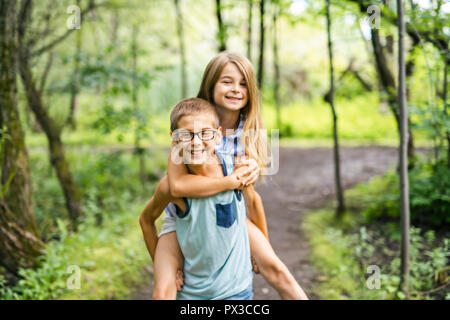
x: 429, y: 196
x: 341, y: 250
x: 103, y: 179
x: 111, y: 260
x: 428, y: 262
x: 357, y: 119
x: 339, y: 274
x: 108, y: 246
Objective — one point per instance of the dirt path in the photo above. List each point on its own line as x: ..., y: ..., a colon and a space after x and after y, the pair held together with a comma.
x: 305, y: 181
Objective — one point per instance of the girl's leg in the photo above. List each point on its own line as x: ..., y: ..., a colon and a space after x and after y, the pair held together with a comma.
x: 271, y: 267
x: 168, y: 260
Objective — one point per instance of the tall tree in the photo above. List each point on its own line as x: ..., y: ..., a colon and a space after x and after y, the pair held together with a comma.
x: 19, y: 242
x: 249, y: 29
x: 261, y: 43
x: 180, y: 33
x: 276, y: 64
x: 444, y: 98
x: 36, y: 103
x: 337, y: 163
x: 115, y: 20
x: 75, y: 84
x: 388, y: 83
x: 404, y: 183
x: 222, y: 33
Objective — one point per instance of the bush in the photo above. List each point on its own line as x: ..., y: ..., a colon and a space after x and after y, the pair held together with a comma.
x: 342, y: 250
x: 111, y: 260
x: 429, y: 196
x: 428, y: 261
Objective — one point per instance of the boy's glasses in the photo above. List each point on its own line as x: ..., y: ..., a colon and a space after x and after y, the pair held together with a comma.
x: 187, y: 136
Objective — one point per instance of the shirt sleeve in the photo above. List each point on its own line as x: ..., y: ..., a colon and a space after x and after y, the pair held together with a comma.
x: 169, y: 220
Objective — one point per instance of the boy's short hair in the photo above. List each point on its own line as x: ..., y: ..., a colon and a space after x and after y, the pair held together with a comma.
x: 192, y: 106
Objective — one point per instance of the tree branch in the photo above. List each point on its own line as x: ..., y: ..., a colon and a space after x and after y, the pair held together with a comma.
x: 46, y: 72
x: 439, y: 42
x: 62, y: 37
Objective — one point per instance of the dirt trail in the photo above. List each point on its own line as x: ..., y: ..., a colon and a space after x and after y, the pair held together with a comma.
x: 305, y: 181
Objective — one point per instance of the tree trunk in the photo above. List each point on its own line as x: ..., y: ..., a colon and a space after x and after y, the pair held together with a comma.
x: 388, y: 82
x: 75, y: 86
x: 337, y: 163
x: 404, y: 183
x: 19, y: 242
x: 276, y: 66
x: 221, y: 34
x: 56, y: 148
x: 261, y: 44
x: 52, y: 131
x: 184, y: 83
x: 114, y: 26
x: 444, y: 97
x: 249, y: 39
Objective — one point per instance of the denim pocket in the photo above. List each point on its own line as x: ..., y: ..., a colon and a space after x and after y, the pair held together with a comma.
x: 225, y: 214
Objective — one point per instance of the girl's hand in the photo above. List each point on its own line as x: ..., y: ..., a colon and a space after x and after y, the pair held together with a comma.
x: 254, y: 265
x: 237, y: 177
x: 179, y: 281
x: 253, y: 170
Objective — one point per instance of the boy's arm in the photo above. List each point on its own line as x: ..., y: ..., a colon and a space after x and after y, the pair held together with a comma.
x: 147, y: 222
x: 184, y: 184
x: 151, y: 212
x: 255, y: 209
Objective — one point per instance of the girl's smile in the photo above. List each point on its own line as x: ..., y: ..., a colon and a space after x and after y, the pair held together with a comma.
x: 230, y: 91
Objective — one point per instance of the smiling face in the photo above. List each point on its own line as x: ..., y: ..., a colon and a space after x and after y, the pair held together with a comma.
x: 197, y: 151
x: 230, y: 90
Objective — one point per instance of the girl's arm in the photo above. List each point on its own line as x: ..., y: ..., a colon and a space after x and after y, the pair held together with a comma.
x: 184, y: 184
x: 253, y: 200
x: 255, y: 209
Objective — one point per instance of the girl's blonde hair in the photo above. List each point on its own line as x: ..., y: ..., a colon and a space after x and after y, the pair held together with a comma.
x: 254, y: 137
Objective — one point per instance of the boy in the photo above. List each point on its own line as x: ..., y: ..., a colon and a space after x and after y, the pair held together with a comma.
x: 211, y: 231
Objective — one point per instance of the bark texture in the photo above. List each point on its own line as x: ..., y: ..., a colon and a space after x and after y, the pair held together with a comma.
x: 19, y: 243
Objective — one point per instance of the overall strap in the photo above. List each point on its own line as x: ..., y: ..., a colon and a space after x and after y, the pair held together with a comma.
x: 226, y: 172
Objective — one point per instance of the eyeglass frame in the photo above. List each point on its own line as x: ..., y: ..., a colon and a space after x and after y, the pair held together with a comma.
x: 193, y: 134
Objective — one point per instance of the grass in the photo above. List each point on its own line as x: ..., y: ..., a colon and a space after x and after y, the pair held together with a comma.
x: 340, y: 275
x: 112, y: 265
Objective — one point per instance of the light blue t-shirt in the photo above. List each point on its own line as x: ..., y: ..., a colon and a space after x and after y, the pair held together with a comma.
x: 213, y: 238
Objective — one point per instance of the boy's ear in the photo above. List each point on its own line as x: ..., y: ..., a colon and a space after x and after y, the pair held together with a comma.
x: 218, y: 135
x: 174, y: 142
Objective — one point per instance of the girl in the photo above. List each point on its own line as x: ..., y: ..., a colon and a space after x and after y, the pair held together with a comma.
x: 229, y: 84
